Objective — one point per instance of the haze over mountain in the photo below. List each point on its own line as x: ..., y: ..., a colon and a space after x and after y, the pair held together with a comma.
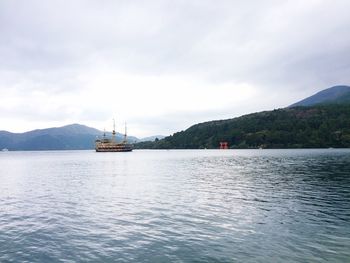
x: 336, y: 94
x: 152, y: 138
x: 69, y: 137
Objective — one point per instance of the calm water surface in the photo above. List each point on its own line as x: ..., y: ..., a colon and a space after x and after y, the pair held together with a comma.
x: 175, y: 206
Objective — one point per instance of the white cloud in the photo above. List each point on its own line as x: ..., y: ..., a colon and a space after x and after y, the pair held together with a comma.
x: 164, y: 65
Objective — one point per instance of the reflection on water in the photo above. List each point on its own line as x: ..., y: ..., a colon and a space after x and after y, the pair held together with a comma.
x: 183, y: 206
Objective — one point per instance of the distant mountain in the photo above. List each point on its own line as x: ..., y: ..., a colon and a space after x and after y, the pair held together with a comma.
x: 319, y: 126
x: 70, y: 137
x: 71, y: 129
x: 333, y: 95
x: 151, y: 138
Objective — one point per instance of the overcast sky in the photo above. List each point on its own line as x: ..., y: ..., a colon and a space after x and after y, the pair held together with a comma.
x: 163, y: 66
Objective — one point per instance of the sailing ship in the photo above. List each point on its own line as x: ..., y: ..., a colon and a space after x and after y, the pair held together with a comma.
x: 106, y: 144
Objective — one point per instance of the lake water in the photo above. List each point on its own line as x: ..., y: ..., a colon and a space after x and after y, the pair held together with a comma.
x: 175, y: 206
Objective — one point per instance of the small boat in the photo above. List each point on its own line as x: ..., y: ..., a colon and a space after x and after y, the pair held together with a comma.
x: 105, y: 144
x: 5, y: 150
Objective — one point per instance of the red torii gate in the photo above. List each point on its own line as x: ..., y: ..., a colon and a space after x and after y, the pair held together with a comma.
x: 223, y: 145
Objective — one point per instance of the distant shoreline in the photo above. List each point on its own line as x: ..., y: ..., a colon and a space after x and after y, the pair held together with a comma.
x: 231, y: 149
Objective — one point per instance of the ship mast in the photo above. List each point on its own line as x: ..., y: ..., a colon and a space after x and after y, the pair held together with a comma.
x: 113, y: 133
x: 125, y: 134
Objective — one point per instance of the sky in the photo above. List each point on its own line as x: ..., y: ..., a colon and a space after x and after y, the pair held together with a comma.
x: 164, y: 65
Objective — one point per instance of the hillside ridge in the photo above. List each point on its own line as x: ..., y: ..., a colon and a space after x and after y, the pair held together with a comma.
x: 334, y: 95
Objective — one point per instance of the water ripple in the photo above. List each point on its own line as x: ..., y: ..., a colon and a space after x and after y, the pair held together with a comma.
x: 175, y: 206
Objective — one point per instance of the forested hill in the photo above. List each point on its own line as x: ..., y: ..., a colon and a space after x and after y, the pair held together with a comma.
x: 300, y: 127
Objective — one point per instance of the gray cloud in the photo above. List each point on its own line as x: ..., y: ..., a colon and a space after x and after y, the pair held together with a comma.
x: 287, y: 49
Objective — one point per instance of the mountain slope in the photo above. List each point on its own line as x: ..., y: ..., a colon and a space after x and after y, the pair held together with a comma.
x: 299, y: 127
x: 333, y: 95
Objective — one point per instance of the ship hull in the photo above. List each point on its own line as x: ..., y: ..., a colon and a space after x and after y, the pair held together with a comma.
x: 112, y: 147
x: 113, y: 150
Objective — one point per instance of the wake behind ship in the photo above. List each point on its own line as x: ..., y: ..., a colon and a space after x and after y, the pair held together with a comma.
x: 111, y: 145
